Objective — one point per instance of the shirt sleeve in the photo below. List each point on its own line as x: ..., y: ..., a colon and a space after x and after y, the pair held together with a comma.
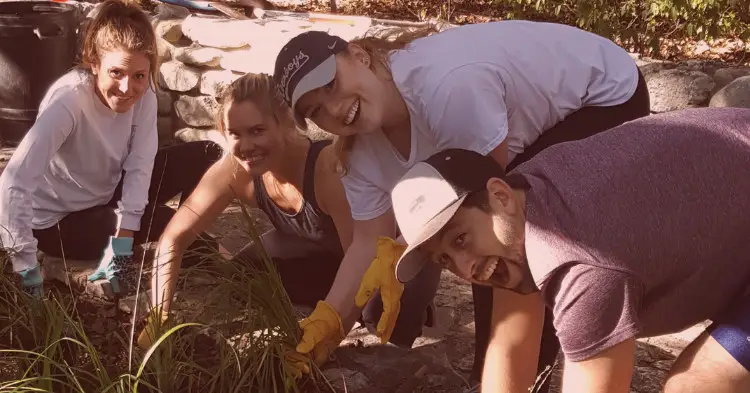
x: 594, y: 309
x: 25, y: 170
x: 467, y: 110
x: 138, y: 165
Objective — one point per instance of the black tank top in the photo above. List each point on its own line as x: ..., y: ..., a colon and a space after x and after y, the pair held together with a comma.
x: 310, y: 223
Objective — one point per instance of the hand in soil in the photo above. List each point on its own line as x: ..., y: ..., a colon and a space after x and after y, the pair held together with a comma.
x: 118, y: 253
x: 322, y: 333
x: 32, y: 281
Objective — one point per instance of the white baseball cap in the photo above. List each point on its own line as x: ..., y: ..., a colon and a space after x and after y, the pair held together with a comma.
x: 429, y: 194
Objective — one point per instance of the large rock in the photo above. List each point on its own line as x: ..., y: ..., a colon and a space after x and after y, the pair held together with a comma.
x: 724, y: 76
x: 675, y: 89
x: 164, y: 49
x: 198, y: 55
x: 222, y: 33
x: 169, y: 11
x: 196, y: 111
x: 258, y: 59
x: 735, y: 94
x: 212, y: 81
x: 169, y: 29
x: 176, y: 76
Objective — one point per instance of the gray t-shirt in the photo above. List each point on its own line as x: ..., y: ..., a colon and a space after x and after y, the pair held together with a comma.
x: 641, y: 230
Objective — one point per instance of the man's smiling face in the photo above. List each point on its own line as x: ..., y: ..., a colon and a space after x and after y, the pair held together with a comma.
x: 484, y: 241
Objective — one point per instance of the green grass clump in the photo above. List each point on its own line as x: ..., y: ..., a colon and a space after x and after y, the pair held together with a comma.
x: 45, y: 345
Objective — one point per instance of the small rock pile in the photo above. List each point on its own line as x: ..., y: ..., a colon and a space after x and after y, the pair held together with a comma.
x: 695, y: 83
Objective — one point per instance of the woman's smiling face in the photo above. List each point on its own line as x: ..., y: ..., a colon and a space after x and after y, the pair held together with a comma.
x: 255, y: 138
x: 353, y: 102
x: 122, y: 78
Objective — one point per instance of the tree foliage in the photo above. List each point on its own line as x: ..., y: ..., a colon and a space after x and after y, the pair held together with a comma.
x: 642, y: 24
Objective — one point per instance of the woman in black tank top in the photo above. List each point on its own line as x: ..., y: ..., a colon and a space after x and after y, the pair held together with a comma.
x: 268, y: 164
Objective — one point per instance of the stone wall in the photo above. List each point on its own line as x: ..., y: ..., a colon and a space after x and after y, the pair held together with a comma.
x: 201, y: 53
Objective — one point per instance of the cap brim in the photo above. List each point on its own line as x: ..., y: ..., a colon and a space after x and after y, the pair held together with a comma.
x: 412, y: 260
x: 318, y: 77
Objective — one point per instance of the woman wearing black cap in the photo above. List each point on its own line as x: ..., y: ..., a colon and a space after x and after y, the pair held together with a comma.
x: 506, y: 89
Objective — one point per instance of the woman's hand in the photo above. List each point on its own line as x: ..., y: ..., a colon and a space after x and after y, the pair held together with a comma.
x: 118, y: 252
x: 382, y: 275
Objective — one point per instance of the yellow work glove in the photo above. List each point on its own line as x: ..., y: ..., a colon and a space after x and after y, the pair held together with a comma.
x: 322, y: 334
x: 382, y: 275
x: 155, y: 324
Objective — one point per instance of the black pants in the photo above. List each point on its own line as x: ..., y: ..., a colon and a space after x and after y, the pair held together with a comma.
x: 307, y: 272
x: 581, y: 124
x: 84, y: 235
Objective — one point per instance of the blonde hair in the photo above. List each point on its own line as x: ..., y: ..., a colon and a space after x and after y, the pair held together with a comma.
x: 378, y: 47
x: 258, y: 89
x: 120, y: 25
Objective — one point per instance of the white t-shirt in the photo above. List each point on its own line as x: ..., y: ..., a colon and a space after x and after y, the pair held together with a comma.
x: 72, y: 159
x: 473, y: 86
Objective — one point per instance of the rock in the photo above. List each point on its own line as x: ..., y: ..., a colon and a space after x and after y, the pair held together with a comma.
x: 169, y: 29
x: 128, y: 305
x: 71, y: 272
x: 258, y: 59
x: 165, y: 129
x: 169, y: 11
x: 344, y: 379
x: 708, y: 67
x: 196, y: 111
x: 219, y: 32
x: 177, y: 76
x: 724, y: 76
x: 213, y: 81
x: 651, y: 67
x: 735, y: 94
x: 675, y: 89
x: 164, y: 49
x: 165, y: 101
x: 198, y: 55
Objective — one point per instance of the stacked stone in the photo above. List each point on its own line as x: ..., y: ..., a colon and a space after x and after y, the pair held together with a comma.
x: 201, y: 54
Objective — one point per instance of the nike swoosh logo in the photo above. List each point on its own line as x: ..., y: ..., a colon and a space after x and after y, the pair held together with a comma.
x: 332, y: 46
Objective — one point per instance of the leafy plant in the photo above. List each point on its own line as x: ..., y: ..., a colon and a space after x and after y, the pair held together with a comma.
x: 644, y: 24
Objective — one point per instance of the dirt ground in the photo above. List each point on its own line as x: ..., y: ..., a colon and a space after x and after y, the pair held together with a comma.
x: 363, y: 365
x: 447, y: 350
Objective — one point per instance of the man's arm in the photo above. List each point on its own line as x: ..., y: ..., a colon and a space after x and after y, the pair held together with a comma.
x: 609, y: 371
x: 513, y: 351
x: 596, y: 318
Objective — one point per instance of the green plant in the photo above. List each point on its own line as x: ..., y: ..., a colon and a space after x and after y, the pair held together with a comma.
x: 643, y: 25
x: 46, y: 346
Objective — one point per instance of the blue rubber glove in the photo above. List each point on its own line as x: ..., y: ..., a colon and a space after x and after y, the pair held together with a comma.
x: 118, y: 252
x: 32, y: 281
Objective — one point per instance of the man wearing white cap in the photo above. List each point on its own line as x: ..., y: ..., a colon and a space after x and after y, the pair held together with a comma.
x: 639, y: 231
